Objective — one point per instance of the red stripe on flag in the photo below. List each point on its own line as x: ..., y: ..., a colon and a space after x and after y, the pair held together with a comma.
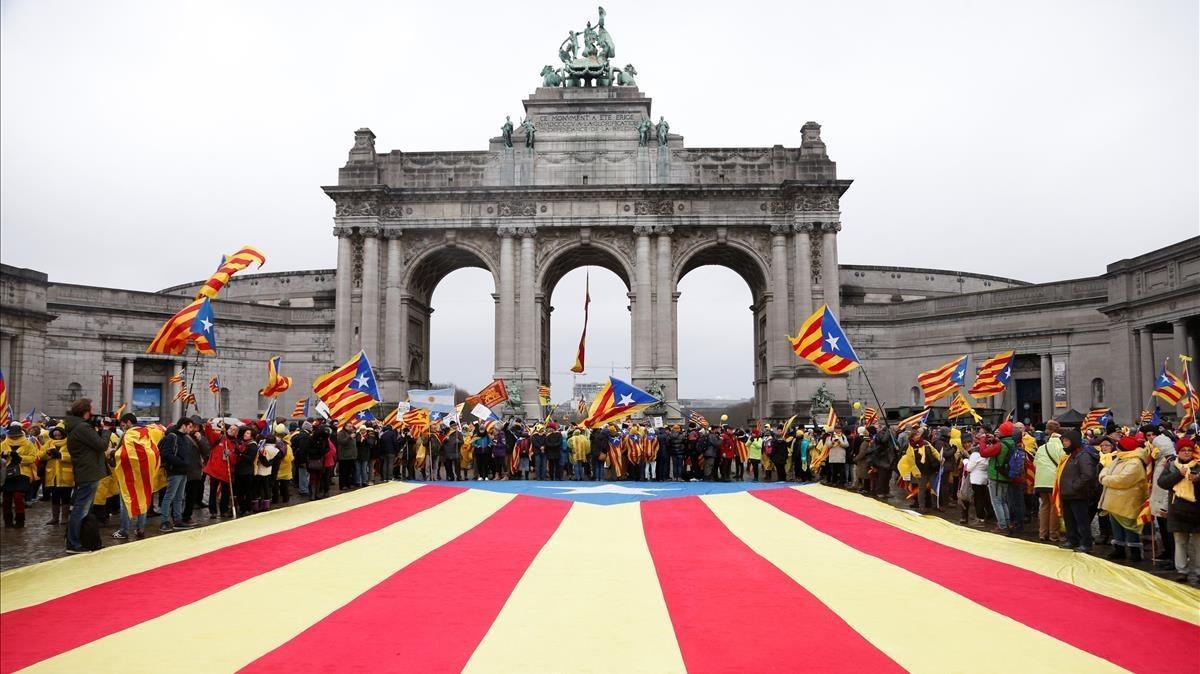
x: 449, y: 600
x: 1064, y: 611
x: 127, y: 476
x: 147, y: 485
x: 122, y: 603
x: 689, y: 544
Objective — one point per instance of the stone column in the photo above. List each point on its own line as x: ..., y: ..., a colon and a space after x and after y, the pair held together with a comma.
x: 392, y: 348
x: 343, y: 329
x: 528, y: 325
x: 506, y: 353
x: 1179, y: 343
x: 1046, y: 372
x: 643, y: 323
x: 778, y: 354
x: 663, y: 360
x: 803, y: 273
x: 127, y: 383
x: 370, y: 293
x: 1148, y: 372
x: 829, y: 266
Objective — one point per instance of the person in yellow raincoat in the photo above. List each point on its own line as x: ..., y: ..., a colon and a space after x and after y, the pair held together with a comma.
x: 60, y: 476
x: 283, y: 475
x: 18, y: 459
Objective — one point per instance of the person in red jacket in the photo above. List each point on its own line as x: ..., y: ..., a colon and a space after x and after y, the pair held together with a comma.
x: 728, y: 451
x: 219, y: 467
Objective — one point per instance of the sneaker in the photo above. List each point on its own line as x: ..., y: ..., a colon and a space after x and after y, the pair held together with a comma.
x: 76, y: 551
x: 167, y: 528
x: 185, y: 524
x: 213, y: 516
x: 141, y: 533
x: 120, y: 535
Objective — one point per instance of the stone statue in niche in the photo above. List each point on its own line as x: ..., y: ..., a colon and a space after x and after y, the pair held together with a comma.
x: 643, y: 130
x: 527, y: 125
x: 663, y: 128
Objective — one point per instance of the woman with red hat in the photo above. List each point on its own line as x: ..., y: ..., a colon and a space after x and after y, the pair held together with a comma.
x: 1180, y: 478
x: 1125, y: 491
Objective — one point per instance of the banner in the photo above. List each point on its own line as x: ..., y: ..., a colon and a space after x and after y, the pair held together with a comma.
x: 434, y: 400
x: 493, y: 395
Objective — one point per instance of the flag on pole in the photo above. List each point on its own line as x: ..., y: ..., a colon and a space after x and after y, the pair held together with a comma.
x: 176, y: 378
x: 417, y: 420
x: 581, y: 406
x: 269, y: 415
x: 698, y: 419
x: 120, y: 411
x: 364, y: 416
x: 870, y: 416
x: 822, y: 342
x: 392, y: 418
x: 214, y: 385
x: 1097, y: 418
x: 1170, y: 387
x: 1145, y: 417
x: 831, y: 421
x: 349, y: 388
x: 1191, y: 403
x: 959, y: 407
x: 434, y: 400
x: 615, y: 401
x: 942, y: 381
x: 544, y: 395
x: 194, y: 323
x: 587, y: 300
x: 5, y: 410
x: 301, y: 409
x: 993, y: 375
x: 276, y: 383
x: 229, y: 266
x: 493, y: 395
x: 915, y: 420
x: 181, y: 394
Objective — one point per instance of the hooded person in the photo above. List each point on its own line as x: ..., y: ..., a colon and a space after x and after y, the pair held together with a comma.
x: 1124, y: 493
x: 18, y: 455
x: 1181, y: 480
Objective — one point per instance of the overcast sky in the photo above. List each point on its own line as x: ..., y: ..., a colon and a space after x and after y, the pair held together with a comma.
x: 1038, y: 140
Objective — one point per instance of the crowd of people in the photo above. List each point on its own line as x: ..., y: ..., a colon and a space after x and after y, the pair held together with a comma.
x: 1123, y: 487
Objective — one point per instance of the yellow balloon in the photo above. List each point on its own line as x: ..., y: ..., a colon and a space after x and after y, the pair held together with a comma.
x: 857, y: 405
x: 724, y: 417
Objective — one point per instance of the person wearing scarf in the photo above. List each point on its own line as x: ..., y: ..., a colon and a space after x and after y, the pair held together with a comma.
x: 1125, y: 491
x: 1180, y: 478
x: 18, y: 459
x: 1075, y: 487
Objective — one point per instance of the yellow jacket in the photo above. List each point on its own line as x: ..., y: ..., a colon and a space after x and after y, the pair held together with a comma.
x: 285, y: 464
x: 1125, y: 484
x: 59, y: 472
x: 24, y: 448
x: 580, y: 446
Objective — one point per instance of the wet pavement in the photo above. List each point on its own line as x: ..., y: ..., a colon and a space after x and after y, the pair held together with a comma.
x: 38, y: 541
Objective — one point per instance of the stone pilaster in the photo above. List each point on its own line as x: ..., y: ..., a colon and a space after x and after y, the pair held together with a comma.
x: 528, y: 326
x: 506, y: 358
x: 392, y: 374
x: 1046, y: 373
x: 343, y: 290
x: 665, y: 370
x: 643, y: 322
x: 127, y: 383
x: 802, y: 277
x: 829, y: 265
x: 1145, y: 383
x: 779, y: 366
x: 369, y: 332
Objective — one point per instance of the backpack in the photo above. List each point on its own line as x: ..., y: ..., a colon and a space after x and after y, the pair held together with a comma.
x: 89, y: 533
x: 1016, y: 463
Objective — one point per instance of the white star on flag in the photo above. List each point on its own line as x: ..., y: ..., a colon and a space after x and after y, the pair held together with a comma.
x: 833, y: 342
x: 361, y: 381
x: 612, y: 489
x: 206, y: 323
x: 626, y: 399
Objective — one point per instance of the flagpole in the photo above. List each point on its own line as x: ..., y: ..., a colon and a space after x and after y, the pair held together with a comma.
x: 882, y: 411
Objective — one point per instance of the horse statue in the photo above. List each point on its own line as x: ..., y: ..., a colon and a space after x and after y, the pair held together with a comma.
x: 625, y: 77
x: 550, y: 77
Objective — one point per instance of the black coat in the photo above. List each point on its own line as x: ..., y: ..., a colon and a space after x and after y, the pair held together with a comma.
x: 1182, y: 515
x: 177, y: 452
x: 1080, y: 479
x: 599, y: 442
x: 387, y: 442
x: 87, y: 450
x: 302, y: 447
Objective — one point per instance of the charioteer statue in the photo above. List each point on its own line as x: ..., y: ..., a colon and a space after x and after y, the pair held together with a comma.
x: 591, y: 68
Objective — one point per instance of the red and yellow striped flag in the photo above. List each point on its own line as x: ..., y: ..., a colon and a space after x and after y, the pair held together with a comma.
x: 194, y: 324
x: 578, y: 367
x: 301, y: 409
x: 276, y: 383
x: 348, y: 389
x: 229, y: 266
x: 417, y: 420
x: 915, y: 421
x: 993, y: 375
x: 136, y: 465
x: 544, y: 395
x: 831, y: 421
x: 942, y: 381
x: 959, y: 407
x: 870, y: 416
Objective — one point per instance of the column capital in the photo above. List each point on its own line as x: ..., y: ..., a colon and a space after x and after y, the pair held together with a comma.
x: 506, y: 232
x: 780, y: 230
x: 643, y: 230
x: 527, y: 232
x: 803, y: 227
x: 663, y: 230
x: 342, y: 232
x: 369, y: 232
x: 391, y: 233
x: 834, y: 227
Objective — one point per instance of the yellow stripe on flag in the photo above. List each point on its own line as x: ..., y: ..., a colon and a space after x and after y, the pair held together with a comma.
x: 228, y: 630
x: 30, y: 585
x: 852, y: 584
x: 1085, y: 571
x: 621, y: 627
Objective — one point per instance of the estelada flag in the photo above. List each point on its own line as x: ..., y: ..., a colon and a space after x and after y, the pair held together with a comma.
x: 869, y: 417
x: 942, y: 381
x: 993, y: 375
x: 229, y: 266
x: 823, y: 343
x: 348, y: 389
x: 578, y: 367
x: 194, y: 323
x: 136, y: 465
x: 493, y: 395
x: 276, y: 383
x: 544, y: 395
x: 5, y: 415
x: 301, y: 409
x: 417, y: 420
x: 617, y: 400
x: 959, y: 407
x: 915, y: 420
x: 1168, y: 386
x: 1097, y: 418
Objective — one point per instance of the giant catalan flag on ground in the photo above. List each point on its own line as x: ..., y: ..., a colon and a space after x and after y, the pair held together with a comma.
x: 605, y: 578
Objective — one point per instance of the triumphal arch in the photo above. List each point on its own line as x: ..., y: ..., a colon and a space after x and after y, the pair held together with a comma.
x: 588, y: 176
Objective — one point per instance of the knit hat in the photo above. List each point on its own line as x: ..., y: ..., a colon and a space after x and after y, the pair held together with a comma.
x: 280, y: 429
x: 1005, y: 429
x: 1129, y: 443
x: 1184, y: 442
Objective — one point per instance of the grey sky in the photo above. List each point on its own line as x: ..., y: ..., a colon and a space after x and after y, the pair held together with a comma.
x: 1028, y: 139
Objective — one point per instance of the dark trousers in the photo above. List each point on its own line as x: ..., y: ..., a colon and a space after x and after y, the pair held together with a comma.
x: 754, y: 465
x: 243, y: 491
x: 215, y: 486
x: 837, y: 474
x: 1077, y: 515
x: 483, y: 465
x: 1167, y: 551
x: 451, y: 468
x: 318, y: 484
x: 924, y: 485
x: 983, y: 502
x: 387, y: 463
x: 882, y: 482
x: 193, y: 491
x: 347, y: 473
x: 14, y: 504
x: 281, y: 494
x: 780, y: 464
